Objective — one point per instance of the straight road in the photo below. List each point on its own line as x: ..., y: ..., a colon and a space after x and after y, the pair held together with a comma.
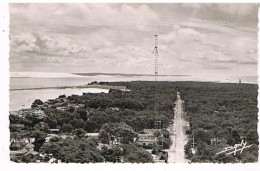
x: 178, y: 136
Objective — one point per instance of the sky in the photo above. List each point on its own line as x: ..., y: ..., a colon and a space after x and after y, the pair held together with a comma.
x: 194, y: 39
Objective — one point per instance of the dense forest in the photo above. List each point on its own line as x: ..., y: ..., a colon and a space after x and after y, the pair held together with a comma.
x: 219, y: 115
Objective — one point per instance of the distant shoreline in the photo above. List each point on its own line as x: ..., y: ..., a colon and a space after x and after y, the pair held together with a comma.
x: 127, y: 75
x: 74, y: 87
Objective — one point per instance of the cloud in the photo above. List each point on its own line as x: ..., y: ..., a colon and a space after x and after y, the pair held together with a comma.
x: 194, y: 39
x: 86, y: 15
x: 232, y: 13
x: 235, y: 62
x: 238, y: 10
x: 24, y: 42
x: 32, y: 42
x: 194, y: 51
x: 182, y: 34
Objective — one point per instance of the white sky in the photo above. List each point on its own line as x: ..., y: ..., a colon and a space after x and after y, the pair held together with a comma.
x: 194, y: 39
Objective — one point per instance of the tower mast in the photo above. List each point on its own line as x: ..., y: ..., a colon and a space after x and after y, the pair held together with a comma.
x: 156, y: 58
x: 155, y: 52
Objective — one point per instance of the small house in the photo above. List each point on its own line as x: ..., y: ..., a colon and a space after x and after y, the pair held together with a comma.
x: 54, y: 131
x: 152, y: 131
x: 61, y: 108
x: 94, y: 135
x: 146, y: 140
x: 116, y: 109
x: 16, y: 145
x: 215, y: 141
x: 50, y: 136
x: 17, y: 154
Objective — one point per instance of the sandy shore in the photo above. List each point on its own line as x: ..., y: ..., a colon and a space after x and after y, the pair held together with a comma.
x: 22, y: 99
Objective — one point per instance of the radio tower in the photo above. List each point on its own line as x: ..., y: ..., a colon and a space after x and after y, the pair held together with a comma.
x: 155, y: 52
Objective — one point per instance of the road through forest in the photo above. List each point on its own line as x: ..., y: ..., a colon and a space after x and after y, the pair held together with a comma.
x: 177, y: 135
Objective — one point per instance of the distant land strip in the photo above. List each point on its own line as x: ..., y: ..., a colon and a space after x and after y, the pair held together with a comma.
x: 84, y: 86
x: 121, y: 74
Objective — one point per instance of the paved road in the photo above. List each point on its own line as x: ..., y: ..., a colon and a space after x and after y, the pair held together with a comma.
x: 178, y: 136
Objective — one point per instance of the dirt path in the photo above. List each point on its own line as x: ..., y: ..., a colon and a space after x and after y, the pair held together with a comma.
x: 178, y: 136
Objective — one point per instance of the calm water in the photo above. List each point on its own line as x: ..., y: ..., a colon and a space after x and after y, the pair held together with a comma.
x: 20, y: 99
x: 23, y: 98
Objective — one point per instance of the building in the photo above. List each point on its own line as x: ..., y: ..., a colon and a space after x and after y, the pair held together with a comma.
x: 54, y: 131
x: 17, y: 154
x: 94, y: 135
x: 215, y: 141
x: 61, y: 108
x: 151, y: 131
x: 116, y: 109
x: 16, y: 145
x: 50, y: 136
x: 146, y: 140
x: 160, y: 156
x: 19, y: 149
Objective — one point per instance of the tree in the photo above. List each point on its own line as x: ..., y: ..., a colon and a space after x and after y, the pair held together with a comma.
x: 104, y: 133
x: 234, y: 138
x: 67, y: 128
x: 187, y: 149
x: 52, y: 122
x: 14, y: 119
x: 165, y: 133
x: 134, y: 154
x: 225, y: 158
x: 80, y: 133
x: 157, y: 133
x: 71, y: 109
x: 252, y: 137
x: 235, y: 135
x: 42, y: 126
x: 201, y: 135
x: 90, y: 126
x: 112, y: 154
x: 39, y: 140
x: 82, y: 113
x: 62, y: 96
x: 55, y: 139
x: 51, y: 148
x: 36, y: 103
x: 164, y: 142
x: 124, y: 132
x: 81, y: 123
x: 77, y: 150
x: 77, y: 123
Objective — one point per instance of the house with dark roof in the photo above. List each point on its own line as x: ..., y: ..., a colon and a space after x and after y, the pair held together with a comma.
x: 16, y: 145
x: 54, y: 131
